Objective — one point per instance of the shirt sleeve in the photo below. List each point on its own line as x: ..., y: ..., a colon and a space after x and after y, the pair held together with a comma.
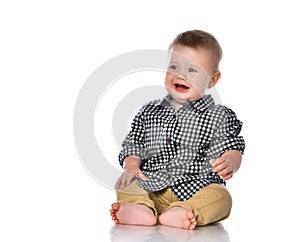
x: 134, y: 143
x: 227, y: 135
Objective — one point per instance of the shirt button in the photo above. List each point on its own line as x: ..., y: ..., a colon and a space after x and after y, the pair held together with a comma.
x: 168, y: 140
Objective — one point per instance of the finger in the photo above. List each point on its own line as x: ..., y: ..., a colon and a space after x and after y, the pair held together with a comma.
x: 213, y: 162
x: 228, y: 176
x: 123, y: 182
x: 118, y: 183
x: 225, y: 172
x: 141, y: 175
x: 220, y: 167
x: 128, y: 180
x: 219, y: 161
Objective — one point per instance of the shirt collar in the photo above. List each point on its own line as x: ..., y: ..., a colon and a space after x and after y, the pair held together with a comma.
x: 201, y: 104
x: 166, y: 101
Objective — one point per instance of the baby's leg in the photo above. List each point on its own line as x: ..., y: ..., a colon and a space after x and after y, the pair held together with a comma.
x: 132, y: 214
x: 210, y: 204
x: 179, y: 217
x: 134, y: 207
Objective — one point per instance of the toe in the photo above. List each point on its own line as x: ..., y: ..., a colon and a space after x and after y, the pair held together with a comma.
x: 192, y: 220
x: 115, y: 206
x: 192, y: 227
x: 194, y: 224
x: 190, y: 215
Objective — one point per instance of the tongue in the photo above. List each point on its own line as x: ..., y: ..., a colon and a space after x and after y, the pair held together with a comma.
x: 182, y: 86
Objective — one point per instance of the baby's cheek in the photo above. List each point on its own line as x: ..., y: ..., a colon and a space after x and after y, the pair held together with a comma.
x: 199, y: 85
x: 169, y: 80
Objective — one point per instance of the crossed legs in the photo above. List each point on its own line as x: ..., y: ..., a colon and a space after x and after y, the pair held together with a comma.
x: 135, y: 207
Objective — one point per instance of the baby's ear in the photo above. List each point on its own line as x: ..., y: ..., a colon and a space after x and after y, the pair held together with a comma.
x: 214, y: 79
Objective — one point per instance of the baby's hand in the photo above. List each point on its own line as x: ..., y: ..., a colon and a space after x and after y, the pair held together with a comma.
x: 129, y: 174
x: 223, y: 167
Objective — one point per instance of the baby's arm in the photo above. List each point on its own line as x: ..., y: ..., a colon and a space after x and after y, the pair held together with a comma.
x: 132, y: 170
x: 227, y: 164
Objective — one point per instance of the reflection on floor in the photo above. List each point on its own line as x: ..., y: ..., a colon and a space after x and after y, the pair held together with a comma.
x: 160, y: 233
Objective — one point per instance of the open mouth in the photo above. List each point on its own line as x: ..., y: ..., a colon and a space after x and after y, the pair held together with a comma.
x: 181, y: 87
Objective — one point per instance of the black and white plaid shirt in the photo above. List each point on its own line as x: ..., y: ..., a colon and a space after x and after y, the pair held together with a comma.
x: 176, y: 146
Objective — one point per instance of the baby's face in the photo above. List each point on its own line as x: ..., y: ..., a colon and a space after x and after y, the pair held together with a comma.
x: 189, y: 73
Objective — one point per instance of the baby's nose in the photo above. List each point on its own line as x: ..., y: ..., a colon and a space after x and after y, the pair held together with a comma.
x: 181, y: 77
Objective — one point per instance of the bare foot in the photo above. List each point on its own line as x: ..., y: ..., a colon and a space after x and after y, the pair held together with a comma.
x: 178, y: 217
x: 132, y: 214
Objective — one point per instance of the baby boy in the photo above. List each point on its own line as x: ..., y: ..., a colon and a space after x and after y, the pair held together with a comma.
x: 181, y: 149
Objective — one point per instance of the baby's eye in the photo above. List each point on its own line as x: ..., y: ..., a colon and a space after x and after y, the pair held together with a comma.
x: 191, y: 69
x: 174, y: 67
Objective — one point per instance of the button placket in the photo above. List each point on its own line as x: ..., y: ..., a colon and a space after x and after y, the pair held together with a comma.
x: 168, y: 140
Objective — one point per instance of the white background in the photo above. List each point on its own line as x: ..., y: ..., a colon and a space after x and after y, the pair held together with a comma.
x: 49, y: 48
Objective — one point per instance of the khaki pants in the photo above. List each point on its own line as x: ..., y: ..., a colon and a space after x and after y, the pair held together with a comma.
x: 210, y: 204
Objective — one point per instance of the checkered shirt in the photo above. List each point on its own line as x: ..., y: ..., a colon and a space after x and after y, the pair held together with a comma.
x: 175, y: 147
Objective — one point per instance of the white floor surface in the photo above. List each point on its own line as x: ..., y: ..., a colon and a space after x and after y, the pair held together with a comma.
x: 160, y: 233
